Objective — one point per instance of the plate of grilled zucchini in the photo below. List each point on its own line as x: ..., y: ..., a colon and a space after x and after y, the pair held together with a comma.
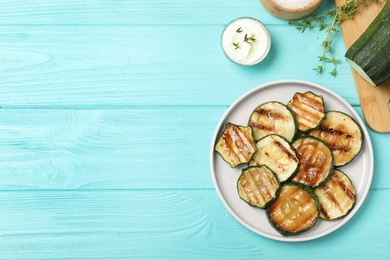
x: 291, y: 160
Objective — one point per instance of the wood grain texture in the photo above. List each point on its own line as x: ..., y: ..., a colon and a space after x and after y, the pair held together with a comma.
x: 373, y: 100
x: 119, y: 66
x: 188, y: 224
x: 140, y: 148
x: 123, y: 12
x: 106, y: 149
x: 107, y: 111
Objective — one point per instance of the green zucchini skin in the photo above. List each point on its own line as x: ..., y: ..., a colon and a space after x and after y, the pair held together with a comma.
x: 369, y: 55
x: 289, y: 207
x: 258, y: 186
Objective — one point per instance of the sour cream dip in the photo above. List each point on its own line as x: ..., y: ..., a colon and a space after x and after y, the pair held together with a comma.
x: 246, y: 41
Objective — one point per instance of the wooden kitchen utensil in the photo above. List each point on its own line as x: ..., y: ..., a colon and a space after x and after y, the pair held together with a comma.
x: 373, y: 100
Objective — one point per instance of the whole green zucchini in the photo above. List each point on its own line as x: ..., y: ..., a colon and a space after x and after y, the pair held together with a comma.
x: 369, y: 55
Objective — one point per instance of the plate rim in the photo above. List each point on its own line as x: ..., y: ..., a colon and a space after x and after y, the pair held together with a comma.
x: 366, y: 138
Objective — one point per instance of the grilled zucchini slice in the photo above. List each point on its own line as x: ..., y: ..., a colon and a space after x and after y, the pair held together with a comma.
x: 309, y: 110
x: 336, y: 196
x: 294, y: 210
x: 273, y: 118
x: 342, y: 134
x: 257, y: 185
x: 316, y: 161
x: 277, y: 153
x: 236, y: 145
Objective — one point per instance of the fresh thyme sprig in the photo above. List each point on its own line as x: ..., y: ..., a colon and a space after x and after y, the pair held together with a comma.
x: 250, y: 39
x: 247, y: 39
x: 321, y: 21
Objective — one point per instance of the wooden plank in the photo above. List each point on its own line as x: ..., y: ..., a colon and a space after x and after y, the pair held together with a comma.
x: 140, y: 148
x: 182, y: 224
x: 106, y: 12
x: 116, y: 66
x: 92, y: 149
x: 373, y: 100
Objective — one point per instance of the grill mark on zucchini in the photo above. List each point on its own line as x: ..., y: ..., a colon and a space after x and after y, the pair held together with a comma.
x: 309, y: 110
x: 330, y: 130
x: 232, y: 144
x: 330, y: 196
x: 242, y: 142
x: 306, y: 118
x: 336, y: 181
x: 269, y: 113
x: 255, y: 199
x: 336, y: 196
x: 236, y: 144
x: 278, y: 154
x: 324, y: 213
x: 316, y: 161
x: 257, y: 185
x: 286, y: 151
x: 311, y: 101
x: 261, y: 127
x: 295, y: 210
x: 339, y: 148
x: 272, y: 118
x: 342, y: 134
x: 310, y: 114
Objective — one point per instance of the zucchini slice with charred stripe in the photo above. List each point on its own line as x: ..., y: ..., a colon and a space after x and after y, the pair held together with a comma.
x: 273, y: 118
x: 294, y: 210
x: 336, y: 196
x: 315, y: 161
x: 236, y: 145
x: 257, y: 185
x: 309, y: 110
x: 342, y: 134
x: 275, y: 152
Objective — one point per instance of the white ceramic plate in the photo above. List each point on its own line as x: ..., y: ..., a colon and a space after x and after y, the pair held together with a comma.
x: 360, y: 170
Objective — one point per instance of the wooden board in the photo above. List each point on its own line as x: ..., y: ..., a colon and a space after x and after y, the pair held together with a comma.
x: 373, y: 100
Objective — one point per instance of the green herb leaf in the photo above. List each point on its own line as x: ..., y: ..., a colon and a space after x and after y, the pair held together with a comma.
x: 236, y: 46
x: 318, y: 69
x: 330, y: 20
x: 250, y: 39
x: 239, y: 30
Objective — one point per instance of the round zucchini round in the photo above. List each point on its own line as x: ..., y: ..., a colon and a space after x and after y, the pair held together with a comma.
x: 315, y: 161
x: 309, y: 110
x: 342, y: 134
x: 257, y: 185
x: 273, y: 118
x: 336, y: 196
x: 236, y: 144
x: 295, y: 209
x: 277, y: 153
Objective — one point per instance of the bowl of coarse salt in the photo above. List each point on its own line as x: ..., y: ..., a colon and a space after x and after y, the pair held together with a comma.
x: 290, y: 9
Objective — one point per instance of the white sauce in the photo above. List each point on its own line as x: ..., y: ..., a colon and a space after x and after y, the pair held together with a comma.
x: 246, y: 41
x: 293, y: 4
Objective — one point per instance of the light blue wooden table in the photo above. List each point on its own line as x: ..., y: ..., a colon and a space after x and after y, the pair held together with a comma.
x: 107, y: 113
